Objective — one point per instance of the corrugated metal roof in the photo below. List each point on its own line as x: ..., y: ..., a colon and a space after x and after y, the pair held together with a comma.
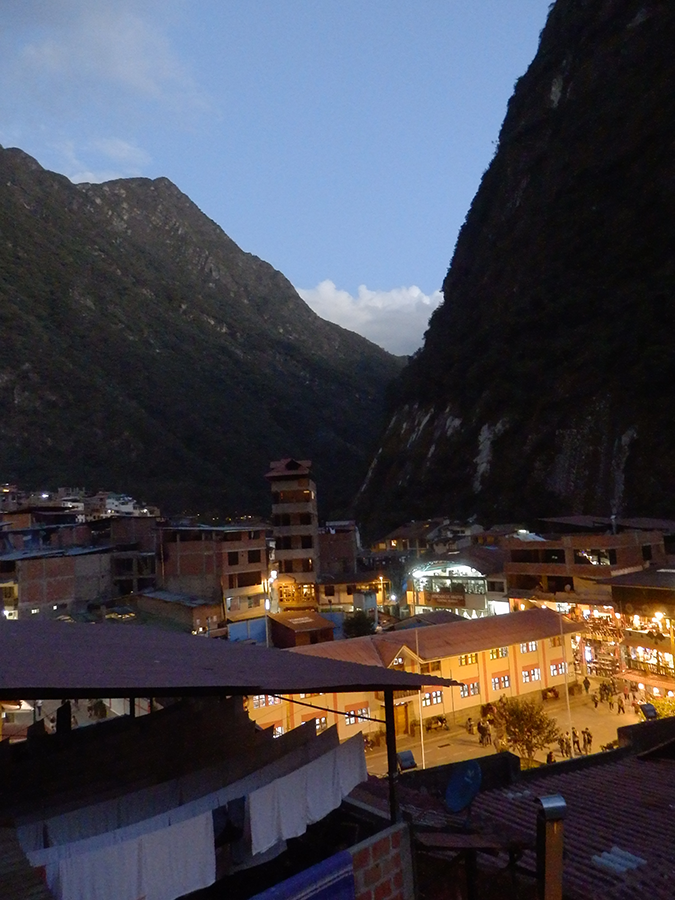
x: 453, y: 638
x: 180, y: 599
x: 51, y: 659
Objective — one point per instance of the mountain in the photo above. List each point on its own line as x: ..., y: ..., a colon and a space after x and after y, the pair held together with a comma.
x: 546, y: 383
x: 143, y: 351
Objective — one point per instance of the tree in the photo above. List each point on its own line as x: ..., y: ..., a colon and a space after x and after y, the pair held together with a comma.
x: 358, y: 624
x: 524, y: 725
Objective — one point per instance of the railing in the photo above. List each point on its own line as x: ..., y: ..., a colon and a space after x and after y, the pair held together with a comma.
x: 640, y: 665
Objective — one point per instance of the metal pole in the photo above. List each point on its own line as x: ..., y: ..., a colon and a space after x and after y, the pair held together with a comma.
x: 392, y: 760
x: 567, y: 686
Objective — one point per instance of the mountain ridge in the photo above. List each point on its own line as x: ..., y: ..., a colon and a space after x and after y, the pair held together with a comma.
x: 149, y: 353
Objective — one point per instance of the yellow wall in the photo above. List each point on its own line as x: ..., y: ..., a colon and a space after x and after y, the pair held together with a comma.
x: 291, y: 715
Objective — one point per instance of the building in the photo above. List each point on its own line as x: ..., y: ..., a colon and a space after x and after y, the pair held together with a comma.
x: 222, y: 564
x: 515, y: 654
x: 299, y: 629
x: 570, y: 568
x: 470, y: 582
x: 295, y: 532
x: 339, y: 548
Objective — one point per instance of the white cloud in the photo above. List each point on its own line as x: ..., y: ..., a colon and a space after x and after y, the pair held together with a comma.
x: 127, y: 158
x: 84, y: 47
x: 396, y: 319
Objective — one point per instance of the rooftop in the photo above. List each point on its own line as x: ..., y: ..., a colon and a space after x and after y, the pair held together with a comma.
x: 51, y: 659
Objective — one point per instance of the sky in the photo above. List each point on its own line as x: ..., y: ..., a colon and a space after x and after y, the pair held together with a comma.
x: 342, y: 141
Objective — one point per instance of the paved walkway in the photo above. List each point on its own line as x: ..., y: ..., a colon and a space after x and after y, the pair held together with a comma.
x: 439, y: 747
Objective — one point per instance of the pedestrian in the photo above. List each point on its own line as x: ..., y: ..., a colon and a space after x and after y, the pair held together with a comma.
x: 568, y: 745
x: 610, y: 700
x: 594, y: 698
x: 588, y: 740
x: 488, y: 732
x: 620, y: 706
x: 469, y: 725
x: 550, y: 758
x: 482, y: 731
x: 586, y: 684
x: 575, y: 740
x: 625, y: 693
x: 38, y: 708
x: 584, y: 740
x: 497, y: 744
x: 561, y: 743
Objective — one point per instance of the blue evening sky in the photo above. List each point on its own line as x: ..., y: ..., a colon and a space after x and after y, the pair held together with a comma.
x: 340, y: 140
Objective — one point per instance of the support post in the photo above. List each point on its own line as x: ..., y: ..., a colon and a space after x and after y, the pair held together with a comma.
x: 132, y: 707
x: 392, y: 759
x: 550, y: 817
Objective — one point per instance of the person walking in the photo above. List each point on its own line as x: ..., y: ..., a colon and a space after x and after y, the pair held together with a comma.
x: 610, y: 700
x: 620, y: 706
x: 586, y: 683
x: 589, y: 740
x: 561, y: 743
x: 594, y: 698
x: 568, y: 745
x: 575, y: 741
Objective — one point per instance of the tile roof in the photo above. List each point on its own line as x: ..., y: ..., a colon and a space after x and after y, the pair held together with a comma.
x: 451, y: 639
x: 289, y: 468
x: 51, y: 659
x: 18, y: 879
x: 617, y: 806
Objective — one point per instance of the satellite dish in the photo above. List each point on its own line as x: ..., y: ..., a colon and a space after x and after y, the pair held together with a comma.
x: 463, y: 786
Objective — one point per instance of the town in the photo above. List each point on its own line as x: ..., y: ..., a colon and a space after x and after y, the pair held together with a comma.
x: 574, y: 615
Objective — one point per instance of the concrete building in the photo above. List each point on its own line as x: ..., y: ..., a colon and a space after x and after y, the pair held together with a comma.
x: 216, y: 563
x: 295, y: 532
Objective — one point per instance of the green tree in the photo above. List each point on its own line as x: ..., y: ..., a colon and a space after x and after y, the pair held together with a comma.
x: 664, y: 706
x: 524, y: 725
x: 358, y: 624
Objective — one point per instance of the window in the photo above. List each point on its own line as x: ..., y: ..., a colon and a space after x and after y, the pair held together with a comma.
x: 306, y: 541
x: 468, y: 659
x: 352, y: 716
x: 284, y: 543
x: 556, y: 641
x: 307, y: 565
x: 260, y: 700
x: 646, y: 552
x: 528, y: 647
x: 595, y: 557
x: 303, y: 696
x: 533, y: 674
x: 249, y: 579
x: 431, y: 699
x: 232, y: 558
x: 499, y: 682
x: 321, y: 724
x: 329, y: 590
x: 431, y: 668
x: 499, y: 652
x: 558, y: 668
x: 496, y: 586
x: 254, y: 556
x: 278, y: 730
x: 398, y: 662
x: 470, y: 689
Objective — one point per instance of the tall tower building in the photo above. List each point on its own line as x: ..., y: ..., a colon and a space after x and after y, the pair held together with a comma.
x: 295, y: 531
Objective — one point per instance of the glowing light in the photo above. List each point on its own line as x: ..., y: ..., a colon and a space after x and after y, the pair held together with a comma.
x: 656, y: 691
x: 658, y: 616
x: 618, y: 615
x: 641, y: 686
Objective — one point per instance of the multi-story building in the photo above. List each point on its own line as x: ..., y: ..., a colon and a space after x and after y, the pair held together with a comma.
x: 570, y: 568
x: 516, y: 654
x: 470, y: 582
x: 295, y: 531
x: 224, y: 564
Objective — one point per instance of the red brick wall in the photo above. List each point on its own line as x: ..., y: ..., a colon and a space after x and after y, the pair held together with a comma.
x: 383, y: 866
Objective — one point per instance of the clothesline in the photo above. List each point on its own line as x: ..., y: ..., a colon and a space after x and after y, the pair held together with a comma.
x: 338, y: 712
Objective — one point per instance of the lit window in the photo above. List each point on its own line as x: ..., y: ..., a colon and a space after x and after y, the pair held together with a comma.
x: 278, y: 730
x: 470, y: 689
x: 556, y: 641
x: 533, y: 674
x: 426, y: 699
x: 468, y: 659
x: 352, y: 716
x: 321, y: 723
x: 499, y: 652
x: 528, y: 647
x: 558, y: 668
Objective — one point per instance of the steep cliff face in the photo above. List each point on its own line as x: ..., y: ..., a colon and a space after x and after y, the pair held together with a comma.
x: 546, y: 383
x: 144, y: 351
